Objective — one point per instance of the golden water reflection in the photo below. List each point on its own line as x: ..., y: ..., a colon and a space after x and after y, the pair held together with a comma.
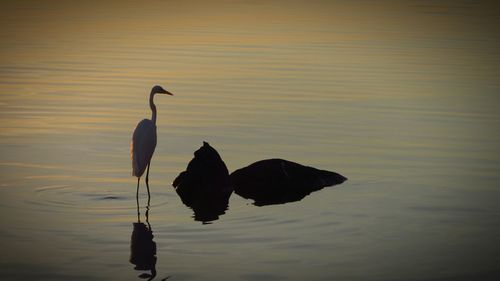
x: 401, y: 97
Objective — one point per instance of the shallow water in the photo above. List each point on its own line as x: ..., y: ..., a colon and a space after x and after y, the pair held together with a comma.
x: 400, y: 97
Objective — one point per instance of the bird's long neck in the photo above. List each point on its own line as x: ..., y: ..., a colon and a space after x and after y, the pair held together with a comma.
x: 153, y: 107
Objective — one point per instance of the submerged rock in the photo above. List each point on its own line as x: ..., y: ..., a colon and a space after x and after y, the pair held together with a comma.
x: 278, y: 181
x: 205, y: 185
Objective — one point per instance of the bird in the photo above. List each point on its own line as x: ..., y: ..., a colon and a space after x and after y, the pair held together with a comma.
x: 144, y: 141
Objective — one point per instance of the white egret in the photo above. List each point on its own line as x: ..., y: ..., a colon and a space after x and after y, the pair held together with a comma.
x: 144, y: 141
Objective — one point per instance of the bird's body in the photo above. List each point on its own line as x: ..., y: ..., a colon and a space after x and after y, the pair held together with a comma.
x: 143, y: 146
x: 144, y: 141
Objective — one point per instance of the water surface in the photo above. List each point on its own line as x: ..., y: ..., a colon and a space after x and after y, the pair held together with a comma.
x: 398, y: 96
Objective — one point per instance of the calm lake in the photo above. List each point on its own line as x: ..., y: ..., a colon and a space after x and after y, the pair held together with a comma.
x: 401, y: 97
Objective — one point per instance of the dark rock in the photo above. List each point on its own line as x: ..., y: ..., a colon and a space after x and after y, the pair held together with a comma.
x: 278, y: 181
x: 205, y: 185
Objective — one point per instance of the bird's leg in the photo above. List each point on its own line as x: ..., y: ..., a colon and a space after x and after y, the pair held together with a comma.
x: 137, y: 200
x: 147, y: 173
x: 147, y: 208
x: 147, y: 182
x: 147, y: 216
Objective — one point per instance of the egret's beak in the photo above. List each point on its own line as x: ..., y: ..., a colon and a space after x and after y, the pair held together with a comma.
x: 167, y: 92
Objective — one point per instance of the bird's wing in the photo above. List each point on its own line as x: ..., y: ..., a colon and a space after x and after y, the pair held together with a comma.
x: 143, y: 146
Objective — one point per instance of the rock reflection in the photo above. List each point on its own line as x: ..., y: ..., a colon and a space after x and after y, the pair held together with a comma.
x: 205, y: 185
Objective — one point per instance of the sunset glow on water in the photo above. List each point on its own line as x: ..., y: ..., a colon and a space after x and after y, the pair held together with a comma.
x: 398, y: 96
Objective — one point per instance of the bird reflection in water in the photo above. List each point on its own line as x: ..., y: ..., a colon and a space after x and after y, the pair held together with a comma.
x: 142, y: 246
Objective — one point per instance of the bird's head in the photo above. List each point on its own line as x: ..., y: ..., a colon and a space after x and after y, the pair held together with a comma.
x: 159, y: 90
